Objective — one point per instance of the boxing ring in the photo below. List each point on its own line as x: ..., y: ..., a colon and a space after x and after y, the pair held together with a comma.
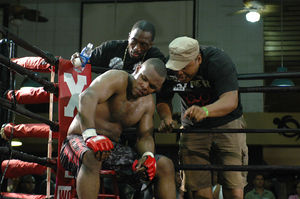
x: 65, y: 92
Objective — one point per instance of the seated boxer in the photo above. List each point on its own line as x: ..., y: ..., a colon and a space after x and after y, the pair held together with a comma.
x: 116, y: 100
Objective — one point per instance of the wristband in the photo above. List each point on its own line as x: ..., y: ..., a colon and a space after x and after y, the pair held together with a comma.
x: 148, y: 153
x: 87, y: 133
x: 206, y: 111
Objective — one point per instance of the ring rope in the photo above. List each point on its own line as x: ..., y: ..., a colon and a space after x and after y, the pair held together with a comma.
x: 48, y: 57
x: 19, y: 109
x: 29, y: 95
x: 48, y: 86
x: 252, y: 76
x: 28, y: 158
x: 249, y: 76
x: 194, y: 130
x: 285, y: 168
x: 45, y: 162
x: 265, y: 89
x: 254, y: 89
x: 36, y: 130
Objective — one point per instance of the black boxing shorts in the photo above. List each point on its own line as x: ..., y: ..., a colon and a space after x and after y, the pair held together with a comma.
x: 71, y: 153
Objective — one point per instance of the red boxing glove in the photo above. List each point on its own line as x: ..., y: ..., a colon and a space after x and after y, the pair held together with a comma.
x: 149, y: 164
x: 96, y: 142
x: 99, y: 143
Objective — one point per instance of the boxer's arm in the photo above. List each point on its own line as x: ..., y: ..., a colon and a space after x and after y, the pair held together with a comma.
x: 100, y: 90
x: 145, y: 141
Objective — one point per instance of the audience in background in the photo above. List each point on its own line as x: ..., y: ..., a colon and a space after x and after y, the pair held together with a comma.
x: 31, y: 184
x: 41, y: 184
x: 26, y: 184
x: 259, y: 190
x: 297, y: 192
x: 12, y: 184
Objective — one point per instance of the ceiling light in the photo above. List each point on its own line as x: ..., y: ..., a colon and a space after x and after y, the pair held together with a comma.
x: 252, y: 16
x: 282, y: 82
x: 282, y: 69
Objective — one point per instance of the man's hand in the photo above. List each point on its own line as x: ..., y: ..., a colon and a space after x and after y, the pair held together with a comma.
x: 196, y: 113
x: 145, y: 165
x: 167, y: 125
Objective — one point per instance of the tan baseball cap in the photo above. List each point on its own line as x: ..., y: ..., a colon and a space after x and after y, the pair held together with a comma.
x: 182, y: 51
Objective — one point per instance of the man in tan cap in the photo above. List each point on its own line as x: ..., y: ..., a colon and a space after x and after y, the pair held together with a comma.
x: 206, y: 81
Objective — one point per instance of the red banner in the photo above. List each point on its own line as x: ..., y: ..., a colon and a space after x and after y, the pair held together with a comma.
x: 71, y: 84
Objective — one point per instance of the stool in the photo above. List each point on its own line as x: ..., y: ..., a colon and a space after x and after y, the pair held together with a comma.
x: 108, y: 174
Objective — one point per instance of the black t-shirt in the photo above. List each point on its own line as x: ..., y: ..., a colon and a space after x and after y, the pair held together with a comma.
x: 216, y: 75
x: 110, y: 54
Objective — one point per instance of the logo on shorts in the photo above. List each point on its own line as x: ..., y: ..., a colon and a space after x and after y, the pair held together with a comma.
x: 64, y: 192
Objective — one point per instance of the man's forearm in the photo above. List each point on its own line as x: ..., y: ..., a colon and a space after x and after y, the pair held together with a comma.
x: 164, y: 110
x: 225, y: 105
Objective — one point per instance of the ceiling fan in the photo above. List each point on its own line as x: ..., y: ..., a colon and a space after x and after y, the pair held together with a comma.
x: 20, y: 12
x: 261, y: 7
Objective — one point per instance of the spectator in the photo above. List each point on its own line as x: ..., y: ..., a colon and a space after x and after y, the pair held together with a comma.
x: 297, y: 194
x: 26, y: 185
x: 259, y: 191
x: 41, y: 184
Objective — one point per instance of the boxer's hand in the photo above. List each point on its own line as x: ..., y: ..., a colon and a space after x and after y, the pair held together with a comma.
x: 100, y: 144
x: 147, y: 165
x: 167, y: 125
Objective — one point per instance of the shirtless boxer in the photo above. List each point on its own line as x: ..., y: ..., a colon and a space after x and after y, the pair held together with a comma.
x: 116, y: 100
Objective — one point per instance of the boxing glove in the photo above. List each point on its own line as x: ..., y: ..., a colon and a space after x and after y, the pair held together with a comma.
x: 96, y: 142
x: 149, y: 164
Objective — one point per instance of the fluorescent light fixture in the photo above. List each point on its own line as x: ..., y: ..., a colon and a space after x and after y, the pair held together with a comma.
x: 252, y: 16
x: 16, y: 143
